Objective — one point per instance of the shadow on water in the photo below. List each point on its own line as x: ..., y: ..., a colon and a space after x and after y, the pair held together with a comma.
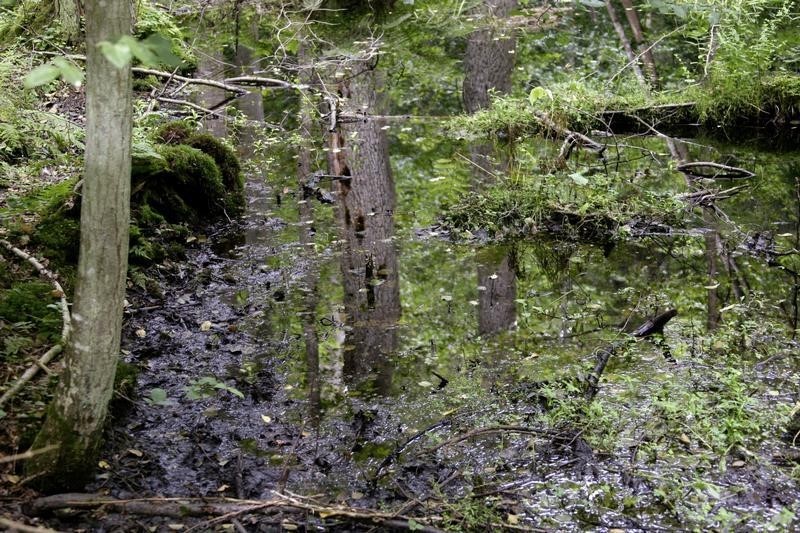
x: 327, y: 349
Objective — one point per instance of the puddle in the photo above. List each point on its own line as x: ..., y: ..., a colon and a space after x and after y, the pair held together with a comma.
x: 295, y: 355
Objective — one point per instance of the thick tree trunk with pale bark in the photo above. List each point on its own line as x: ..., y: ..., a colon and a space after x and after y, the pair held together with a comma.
x: 75, y: 419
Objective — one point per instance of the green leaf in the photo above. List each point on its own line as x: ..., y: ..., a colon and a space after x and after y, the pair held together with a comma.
x: 161, y: 48
x: 158, y: 397
x: 69, y: 71
x: 118, y: 54
x: 579, y: 178
x: 539, y: 93
x: 41, y: 75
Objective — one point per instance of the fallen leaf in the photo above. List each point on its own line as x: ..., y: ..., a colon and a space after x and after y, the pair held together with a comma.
x: 266, y: 419
x: 104, y: 465
x: 684, y: 439
x: 135, y: 452
x: 141, y: 333
x: 175, y: 527
x: 205, y: 326
x: 738, y: 463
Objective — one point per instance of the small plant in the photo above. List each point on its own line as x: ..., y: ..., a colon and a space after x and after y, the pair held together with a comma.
x: 207, y: 387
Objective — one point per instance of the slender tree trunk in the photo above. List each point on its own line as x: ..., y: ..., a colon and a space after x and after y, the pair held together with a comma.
x: 488, y: 65
x: 641, y: 44
x: 75, y: 418
x: 626, y: 44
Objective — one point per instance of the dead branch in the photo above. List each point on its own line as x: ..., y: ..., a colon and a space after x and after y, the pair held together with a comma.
x: 225, y: 507
x: 26, y: 455
x: 65, y: 317
x: 571, y: 138
x: 24, y: 528
x: 694, y: 170
x: 706, y: 198
x: 488, y: 431
x: 190, y: 105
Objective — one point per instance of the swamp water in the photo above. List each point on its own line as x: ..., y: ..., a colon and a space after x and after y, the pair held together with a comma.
x: 384, y: 363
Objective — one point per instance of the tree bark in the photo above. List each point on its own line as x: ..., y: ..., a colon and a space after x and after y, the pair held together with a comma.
x: 69, y: 15
x: 75, y: 418
x: 641, y: 44
x: 488, y: 65
x: 489, y: 60
x: 366, y: 203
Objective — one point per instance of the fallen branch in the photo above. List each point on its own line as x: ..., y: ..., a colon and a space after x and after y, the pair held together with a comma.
x: 26, y: 455
x: 24, y: 528
x: 651, y: 326
x: 224, y: 507
x: 489, y: 431
x: 65, y: 317
x: 720, y: 172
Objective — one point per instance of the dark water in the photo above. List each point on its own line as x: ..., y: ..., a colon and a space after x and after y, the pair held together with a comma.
x: 327, y: 345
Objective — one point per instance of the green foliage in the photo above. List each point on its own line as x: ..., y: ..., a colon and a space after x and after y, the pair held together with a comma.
x: 32, y: 302
x: 154, y: 20
x: 596, y: 208
x: 208, y: 386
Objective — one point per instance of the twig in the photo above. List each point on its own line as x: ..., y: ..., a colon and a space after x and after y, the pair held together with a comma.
x: 488, y: 431
x: 25, y: 528
x: 721, y: 171
x: 26, y: 455
x: 65, y: 317
x: 190, y: 105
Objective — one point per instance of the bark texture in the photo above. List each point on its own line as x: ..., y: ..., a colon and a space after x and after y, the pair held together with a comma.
x: 488, y: 66
x: 366, y: 206
x: 75, y: 418
x: 490, y: 57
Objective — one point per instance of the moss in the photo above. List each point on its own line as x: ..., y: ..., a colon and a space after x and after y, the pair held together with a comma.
x: 196, y: 177
x: 31, y: 301
x: 176, y: 132
x: 230, y: 169
x: 71, y: 465
x: 125, y: 379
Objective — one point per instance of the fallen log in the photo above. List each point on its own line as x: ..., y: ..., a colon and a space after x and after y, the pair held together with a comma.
x: 224, y: 509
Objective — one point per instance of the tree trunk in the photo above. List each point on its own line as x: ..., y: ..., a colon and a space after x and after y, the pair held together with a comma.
x: 488, y: 67
x: 75, y: 418
x: 641, y: 44
x: 69, y: 15
x: 489, y: 60
x: 366, y: 206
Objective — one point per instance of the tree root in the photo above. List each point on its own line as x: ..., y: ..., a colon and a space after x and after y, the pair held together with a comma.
x: 226, y: 509
x: 65, y: 317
